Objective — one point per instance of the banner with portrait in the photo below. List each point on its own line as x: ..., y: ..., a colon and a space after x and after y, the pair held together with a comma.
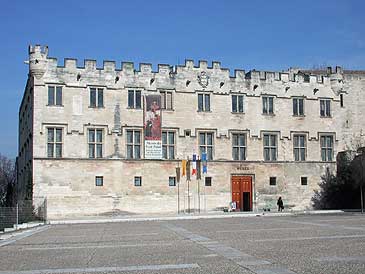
x: 152, y: 127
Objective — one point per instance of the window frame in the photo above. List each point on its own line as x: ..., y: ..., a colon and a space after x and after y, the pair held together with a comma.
x: 208, y: 181
x: 164, y: 102
x: 205, y: 147
x: 172, y: 179
x: 99, y: 97
x: 266, y: 105
x: 203, y: 107
x: 239, y: 98
x: 54, y: 143
x: 134, y: 145
x: 140, y: 181
x: 56, y: 100
x: 96, y: 180
x: 296, y: 106
x: 95, y: 143
x: 325, y: 155
x: 270, y: 147
x: 325, y: 108
x: 299, y: 148
x: 304, y: 180
x: 272, y: 181
x: 167, y: 146
x: 238, y: 146
x: 133, y: 104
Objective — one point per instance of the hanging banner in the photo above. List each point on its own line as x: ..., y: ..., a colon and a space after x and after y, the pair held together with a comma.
x: 204, y: 162
x: 198, y: 169
x: 194, y: 164
x: 183, y: 167
x: 152, y: 127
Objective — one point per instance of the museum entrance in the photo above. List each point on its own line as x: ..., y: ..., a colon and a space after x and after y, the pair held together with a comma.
x: 242, y: 192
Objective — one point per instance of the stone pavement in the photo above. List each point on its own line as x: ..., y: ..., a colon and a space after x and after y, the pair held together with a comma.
x: 269, y: 244
x: 185, y: 216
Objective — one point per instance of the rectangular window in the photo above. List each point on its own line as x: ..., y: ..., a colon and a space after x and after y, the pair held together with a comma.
x: 299, y: 145
x: 99, y: 181
x: 168, y: 144
x: 239, y: 146
x: 325, y: 107
x: 298, y: 106
x: 303, y: 181
x: 54, y: 96
x: 203, y: 102
x: 54, y: 142
x: 327, y: 148
x: 273, y: 181
x: 137, y: 181
x: 134, y: 99
x: 95, y: 142
x: 96, y: 98
x: 237, y: 104
x: 270, y: 147
x: 133, y: 144
x: 166, y: 100
x: 206, y: 144
x: 268, y: 105
x: 208, y: 181
x: 172, y: 181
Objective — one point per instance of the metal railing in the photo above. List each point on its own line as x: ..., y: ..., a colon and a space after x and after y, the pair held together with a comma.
x: 23, y: 212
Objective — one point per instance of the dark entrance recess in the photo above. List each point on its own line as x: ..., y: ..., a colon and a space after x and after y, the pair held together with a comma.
x: 246, y: 201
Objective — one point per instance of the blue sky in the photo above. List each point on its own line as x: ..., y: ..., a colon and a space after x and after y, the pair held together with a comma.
x: 263, y: 35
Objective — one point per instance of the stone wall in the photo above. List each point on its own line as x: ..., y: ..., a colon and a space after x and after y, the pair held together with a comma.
x: 70, y: 181
x: 69, y: 186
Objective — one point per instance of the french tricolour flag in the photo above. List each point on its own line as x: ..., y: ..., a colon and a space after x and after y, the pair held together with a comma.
x: 194, y: 164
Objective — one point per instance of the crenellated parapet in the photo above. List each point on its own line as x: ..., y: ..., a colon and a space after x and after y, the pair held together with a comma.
x: 189, y: 77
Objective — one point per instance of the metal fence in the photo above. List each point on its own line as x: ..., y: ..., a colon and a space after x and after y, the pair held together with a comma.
x: 23, y: 212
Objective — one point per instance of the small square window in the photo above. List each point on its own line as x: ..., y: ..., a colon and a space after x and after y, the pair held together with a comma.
x: 208, y: 181
x: 304, y: 181
x: 138, y: 181
x: 99, y: 180
x: 172, y: 181
x: 273, y: 181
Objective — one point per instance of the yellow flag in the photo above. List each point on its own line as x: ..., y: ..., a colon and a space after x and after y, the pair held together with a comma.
x: 183, y: 167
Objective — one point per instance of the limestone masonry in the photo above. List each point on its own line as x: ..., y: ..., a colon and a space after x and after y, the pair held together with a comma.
x: 83, y: 135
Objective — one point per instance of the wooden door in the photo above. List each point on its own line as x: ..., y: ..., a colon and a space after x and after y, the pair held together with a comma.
x: 242, y: 192
x: 236, y: 191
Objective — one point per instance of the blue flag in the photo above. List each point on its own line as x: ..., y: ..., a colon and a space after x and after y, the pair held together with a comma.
x: 204, y: 161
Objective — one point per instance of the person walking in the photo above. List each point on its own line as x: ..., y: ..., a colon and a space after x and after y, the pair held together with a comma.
x: 280, y: 204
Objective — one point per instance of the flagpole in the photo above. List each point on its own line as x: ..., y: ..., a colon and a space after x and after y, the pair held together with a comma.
x: 178, y: 187
x: 188, y: 197
x: 188, y: 181
x: 199, y: 196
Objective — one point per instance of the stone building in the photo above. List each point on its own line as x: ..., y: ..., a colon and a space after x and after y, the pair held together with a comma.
x: 266, y: 134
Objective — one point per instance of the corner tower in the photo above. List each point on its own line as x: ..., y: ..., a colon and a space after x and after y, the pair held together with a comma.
x: 37, y: 60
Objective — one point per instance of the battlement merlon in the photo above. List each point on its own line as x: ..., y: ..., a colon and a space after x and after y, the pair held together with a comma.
x: 39, y: 63
x: 38, y: 49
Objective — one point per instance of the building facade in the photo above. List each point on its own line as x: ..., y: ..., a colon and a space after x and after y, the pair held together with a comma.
x: 82, y: 135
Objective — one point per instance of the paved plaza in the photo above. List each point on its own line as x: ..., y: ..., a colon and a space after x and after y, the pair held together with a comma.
x: 327, y: 244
